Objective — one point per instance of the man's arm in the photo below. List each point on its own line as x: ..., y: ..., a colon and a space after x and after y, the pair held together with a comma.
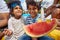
x: 1, y: 35
x: 4, y: 19
x: 51, y: 8
x: 4, y: 13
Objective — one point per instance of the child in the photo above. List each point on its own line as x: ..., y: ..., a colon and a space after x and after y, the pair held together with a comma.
x: 33, y: 9
x: 56, y: 32
x: 15, y: 23
x: 56, y: 14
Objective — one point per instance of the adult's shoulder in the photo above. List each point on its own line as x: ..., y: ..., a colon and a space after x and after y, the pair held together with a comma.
x: 3, y: 7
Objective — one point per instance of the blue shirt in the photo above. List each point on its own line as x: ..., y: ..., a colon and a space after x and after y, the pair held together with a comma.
x: 30, y: 20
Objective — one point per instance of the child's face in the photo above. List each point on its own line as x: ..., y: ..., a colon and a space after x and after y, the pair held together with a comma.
x: 17, y: 11
x: 33, y: 10
x: 56, y: 14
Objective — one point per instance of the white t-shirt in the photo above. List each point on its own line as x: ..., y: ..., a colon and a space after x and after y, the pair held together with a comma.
x: 3, y: 7
x: 23, y: 4
x: 16, y: 25
x: 47, y: 3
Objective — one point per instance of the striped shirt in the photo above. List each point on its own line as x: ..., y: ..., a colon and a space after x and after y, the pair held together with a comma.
x: 30, y: 20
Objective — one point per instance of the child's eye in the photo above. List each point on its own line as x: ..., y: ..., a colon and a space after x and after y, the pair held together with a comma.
x: 29, y: 8
x: 16, y: 8
x: 19, y: 8
x: 34, y: 8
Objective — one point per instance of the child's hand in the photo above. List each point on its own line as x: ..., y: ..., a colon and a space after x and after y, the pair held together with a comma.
x: 7, y: 32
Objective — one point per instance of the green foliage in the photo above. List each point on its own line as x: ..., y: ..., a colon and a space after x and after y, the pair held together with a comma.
x: 6, y: 0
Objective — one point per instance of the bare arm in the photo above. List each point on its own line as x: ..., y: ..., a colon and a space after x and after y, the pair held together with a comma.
x: 1, y: 35
x: 51, y: 8
x: 4, y: 13
x: 4, y: 19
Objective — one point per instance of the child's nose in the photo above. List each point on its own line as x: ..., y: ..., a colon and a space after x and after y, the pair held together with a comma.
x: 31, y: 10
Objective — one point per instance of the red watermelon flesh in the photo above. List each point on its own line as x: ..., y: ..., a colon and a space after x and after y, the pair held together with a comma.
x: 39, y: 28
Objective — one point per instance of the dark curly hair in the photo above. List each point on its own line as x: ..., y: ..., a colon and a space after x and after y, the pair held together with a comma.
x: 33, y: 3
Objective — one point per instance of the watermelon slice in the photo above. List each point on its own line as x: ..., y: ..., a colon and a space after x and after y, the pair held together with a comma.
x: 39, y: 29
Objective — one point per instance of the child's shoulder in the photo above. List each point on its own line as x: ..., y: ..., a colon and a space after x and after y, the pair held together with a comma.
x: 26, y: 15
x: 11, y: 18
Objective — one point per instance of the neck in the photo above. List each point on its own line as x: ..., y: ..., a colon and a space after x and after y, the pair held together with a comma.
x: 17, y: 17
x: 34, y: 16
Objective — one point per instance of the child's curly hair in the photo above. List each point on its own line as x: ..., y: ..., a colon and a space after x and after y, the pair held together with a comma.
x: 33, y: 3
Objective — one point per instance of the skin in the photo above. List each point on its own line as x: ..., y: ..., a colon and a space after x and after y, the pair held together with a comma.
x: 17, y: 12
x: 3, y: 21
x: 33, y: 10
x: 1, y: 35
x: 51, y: 8
x: 3, y: 17
x: 56, y: 14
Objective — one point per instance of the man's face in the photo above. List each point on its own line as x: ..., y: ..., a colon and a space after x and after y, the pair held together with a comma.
x: 33, y: 10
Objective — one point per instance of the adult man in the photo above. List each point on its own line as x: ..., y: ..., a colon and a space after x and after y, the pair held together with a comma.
x: 4, y: 15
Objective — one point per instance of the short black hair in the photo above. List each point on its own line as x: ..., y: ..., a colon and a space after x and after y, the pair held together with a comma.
x: 33, y: 3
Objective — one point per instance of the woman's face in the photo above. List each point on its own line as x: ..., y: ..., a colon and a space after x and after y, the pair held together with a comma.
x: 33, y: 10
x: 17, y: 11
